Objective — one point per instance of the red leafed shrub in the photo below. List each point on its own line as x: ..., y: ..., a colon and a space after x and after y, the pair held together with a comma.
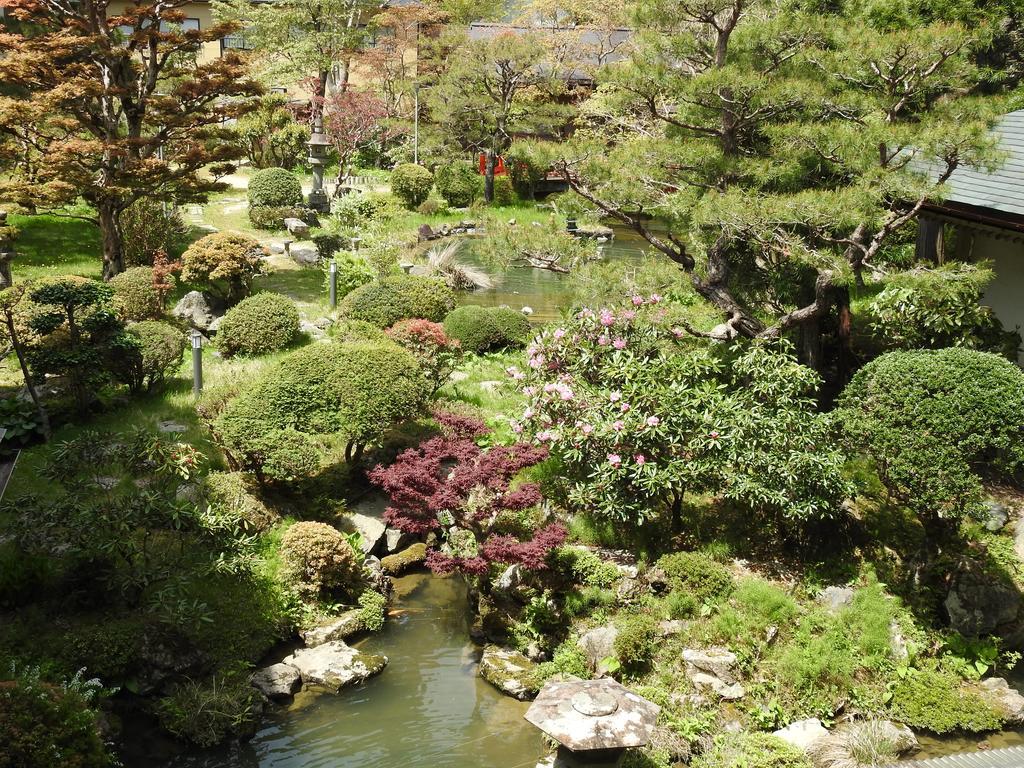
x: 437, y: 354
x: 450, y: 485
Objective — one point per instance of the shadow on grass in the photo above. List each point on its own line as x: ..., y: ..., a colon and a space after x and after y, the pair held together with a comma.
x: 53, y: 245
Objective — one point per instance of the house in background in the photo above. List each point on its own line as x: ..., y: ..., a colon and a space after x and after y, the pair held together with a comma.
x: 982, y: 219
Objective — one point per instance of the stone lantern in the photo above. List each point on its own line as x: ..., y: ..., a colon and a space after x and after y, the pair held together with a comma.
x: 593, y: 721
x: 7, y: 252
x: 318, y: 146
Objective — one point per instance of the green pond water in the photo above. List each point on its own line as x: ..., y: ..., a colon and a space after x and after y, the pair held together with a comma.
x: 427, y: 709
x: 545, y: 292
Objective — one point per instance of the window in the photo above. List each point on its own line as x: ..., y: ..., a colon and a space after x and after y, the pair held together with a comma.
x: 188, y: 25
x: 235, y: 42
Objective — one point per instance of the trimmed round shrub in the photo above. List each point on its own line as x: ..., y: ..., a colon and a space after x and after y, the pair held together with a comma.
x: 273, y: 187
x: 751, y: 750
x: 230, y: 493
x: 44, y: 725
x: 318, y: 559
x: 358, y: 330
x: 504, y: 195
x: 360, y: 208
x: 135, y: 296
x: 458, y: 183
x: 224, y: 263
x: 257, y: 325
x: 931, y: 419
x: 358, y: 389
x: 157, y: 352
x: 482, y: 329
x: 291, y: 455
x: 411, y: 184
x: 697, y: 574
x: 385, y: 302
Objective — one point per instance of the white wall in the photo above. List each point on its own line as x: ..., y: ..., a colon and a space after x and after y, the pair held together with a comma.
x: 1005, y: 294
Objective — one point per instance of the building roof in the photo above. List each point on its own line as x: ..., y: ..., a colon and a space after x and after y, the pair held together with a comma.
x: 598, y: 46
x: 1009, y: 757
x: 1003, y: 189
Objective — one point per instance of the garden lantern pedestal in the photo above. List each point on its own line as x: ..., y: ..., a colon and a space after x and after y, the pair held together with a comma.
x: 593, y: 721
x: 318, y: 146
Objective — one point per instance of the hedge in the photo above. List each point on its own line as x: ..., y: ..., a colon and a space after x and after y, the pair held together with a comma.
x: 385, y: 302
x: 482, y: 329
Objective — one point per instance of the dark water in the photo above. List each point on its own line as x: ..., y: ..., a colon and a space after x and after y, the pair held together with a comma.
x: 545, y: 292
x: 427, y: 709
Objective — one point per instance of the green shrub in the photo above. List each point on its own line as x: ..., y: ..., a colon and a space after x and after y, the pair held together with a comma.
x: 586, y: 568
x: 954, y: 411
x: 23, y: 575
x: 637, y: 641
x: 230, y: 493
x: 224, y: 263
x: 754, y: 606
x: 681, y: 605
x: 135, y: 296
x: 432, y: 207
x: 156, y: 354
x: 358, y: 330
x: 209, y: 712
x: 698, y: 574
x: 327, y: 244
x: 357, y: 389
x: 147, y: 227
x: 751, y: 750
x: 568, y: 659
x: 411, y: 184
x: 274, y: 187
x: 318, y: 559
x: 357, y: 209
x: 272, y: 217
x: 504, y: 195
x: 290, y: 455
x: 43, y: 725
x: 257, y: 325
x: 385, y: 302
x: 458, y: 183
x: 938, y: 701
x: 527, y: 167
x: 354, y: 270
x: 482, y: 329
x: 272, y: 137
x: 372, y: 605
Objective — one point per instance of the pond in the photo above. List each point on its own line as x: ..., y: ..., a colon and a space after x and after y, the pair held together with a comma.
x: 545, y: 292
x: 428, y: 707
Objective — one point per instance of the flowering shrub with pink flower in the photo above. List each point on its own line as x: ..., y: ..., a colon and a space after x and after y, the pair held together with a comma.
x: 437, y: 354
x: 451, y: 486
x: 639, y: 412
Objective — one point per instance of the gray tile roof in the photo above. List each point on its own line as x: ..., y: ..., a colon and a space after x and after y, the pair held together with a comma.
x: 1009, y: 757
x: 1002, y: 190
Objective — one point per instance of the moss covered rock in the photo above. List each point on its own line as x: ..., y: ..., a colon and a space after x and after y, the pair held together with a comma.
x: 404, y: 560
x: 509, y: 671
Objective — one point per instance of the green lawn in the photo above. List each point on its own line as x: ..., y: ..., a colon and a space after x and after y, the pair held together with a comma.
x: 56, y: 245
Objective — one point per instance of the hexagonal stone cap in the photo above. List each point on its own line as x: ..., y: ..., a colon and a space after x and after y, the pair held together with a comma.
x: 583, y: 715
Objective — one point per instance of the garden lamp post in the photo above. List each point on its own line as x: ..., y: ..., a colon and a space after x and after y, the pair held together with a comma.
x: 333, y: 283
x: 318, y: 145
x: 416, y: 123
x: 197, y: 362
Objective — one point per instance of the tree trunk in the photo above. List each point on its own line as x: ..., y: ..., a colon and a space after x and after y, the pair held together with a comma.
x: 113, y: 255
x: 489, y: 164
x: 19, y: 351
x: 810, y: 343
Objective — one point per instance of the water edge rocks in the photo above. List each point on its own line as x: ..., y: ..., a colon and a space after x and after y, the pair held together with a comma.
x: 335, y: 665
x: 509, y: 671
x: 278, y: 681
x: 400, y: 562
x: 803, y: 734
x: 1006, y: 698
x: 340, y: 628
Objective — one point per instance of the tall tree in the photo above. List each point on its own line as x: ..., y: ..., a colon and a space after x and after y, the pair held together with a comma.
x: 116, y: 107
x: 491, y: 89
x: 304, y: 40
x: 778, y: 147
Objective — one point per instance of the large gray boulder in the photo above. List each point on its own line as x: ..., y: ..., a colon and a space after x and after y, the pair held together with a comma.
x: 995, y: 515
x: 297, y: 228
x: 196, y: 309
x: 979, y: 602
x: 598, y: 644
x: 836, y: 598
x: 335, y: 665
x: 340, y: 628
x: 1008, y: 699
x: 509, y: 671
x: 278, y: 681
